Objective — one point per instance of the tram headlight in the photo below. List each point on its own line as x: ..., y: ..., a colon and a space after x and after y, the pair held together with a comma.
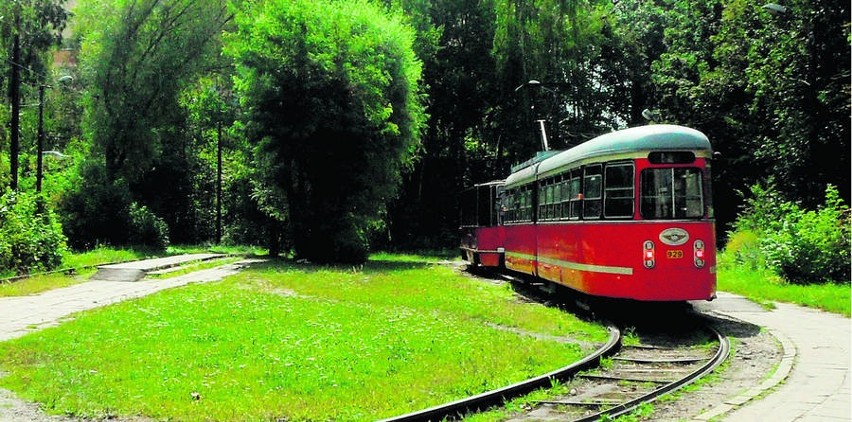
x: 698, y: 253
x: 648, y: 254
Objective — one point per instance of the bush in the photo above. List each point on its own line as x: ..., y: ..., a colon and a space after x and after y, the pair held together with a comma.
x: 146, y: 228
x: 744, y: 248
x: 817, y: 247
x: 30, y: 234
x: 99, y: 211
x: 94, y: 212
x: 801, y: 246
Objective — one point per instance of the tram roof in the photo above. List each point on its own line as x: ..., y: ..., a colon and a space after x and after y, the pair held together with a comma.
x: 648, y: 138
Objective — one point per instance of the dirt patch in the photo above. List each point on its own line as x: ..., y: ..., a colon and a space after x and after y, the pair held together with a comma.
x: 755, y: 354
x: 13, y: 409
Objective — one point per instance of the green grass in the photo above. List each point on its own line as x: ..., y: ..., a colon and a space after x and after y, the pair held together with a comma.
x: 41, y: 283
x: 196, y: 266
x: 103, y: 255
x: 83, y: 261
x: 286, y: 341
x: 764, y: 287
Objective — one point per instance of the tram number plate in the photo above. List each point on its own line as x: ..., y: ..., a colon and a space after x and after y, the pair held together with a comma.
x: 674, y: 254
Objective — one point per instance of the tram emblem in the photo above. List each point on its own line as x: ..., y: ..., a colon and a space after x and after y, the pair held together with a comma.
x: 674, y: 236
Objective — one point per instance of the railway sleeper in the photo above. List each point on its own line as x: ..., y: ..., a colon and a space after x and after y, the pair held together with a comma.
x: 594, y: 402
x: 629, y: 379
x: 683, y: 360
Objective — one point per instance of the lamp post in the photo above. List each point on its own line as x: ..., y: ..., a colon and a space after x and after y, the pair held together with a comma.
x: 40, y: 141
x: 219, y: 183
x: 532, y: 83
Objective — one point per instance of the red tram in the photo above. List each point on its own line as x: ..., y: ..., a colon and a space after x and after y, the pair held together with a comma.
x: 625, y: 215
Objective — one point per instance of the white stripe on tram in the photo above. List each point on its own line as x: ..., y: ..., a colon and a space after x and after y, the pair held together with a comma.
x: 573, y: 265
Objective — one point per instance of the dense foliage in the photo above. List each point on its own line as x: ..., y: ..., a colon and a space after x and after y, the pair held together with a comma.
x: 802, y: 246
x: 320, y: 124
x: 331, y: 95
x: 139, y: 57
x: 30, y: 234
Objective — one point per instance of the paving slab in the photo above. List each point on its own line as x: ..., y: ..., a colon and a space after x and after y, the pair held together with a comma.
x: 816, y: 375
x: 136, y: 270
x: 24, y: 314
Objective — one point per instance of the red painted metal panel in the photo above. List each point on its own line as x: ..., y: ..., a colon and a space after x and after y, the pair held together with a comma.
x: 483, y: 245
x: 521, y: 248
x: 605, y: 259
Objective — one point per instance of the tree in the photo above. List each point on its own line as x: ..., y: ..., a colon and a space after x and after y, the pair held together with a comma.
x: 333, y: 103
x: 798, y: 70
x: 27, y: 29
x: 454, y: 40
x: 771, y: 92
x: 138, y: 58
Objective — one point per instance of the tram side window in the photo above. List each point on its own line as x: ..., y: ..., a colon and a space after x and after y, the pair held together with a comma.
x: 592, y: 184
x: 510, y: 206
x: 574, y: 194
x: 564, y: 197
x: 618, y: 192
x: 672, y: 193
x: 542, y: 203
x: 523, y: 204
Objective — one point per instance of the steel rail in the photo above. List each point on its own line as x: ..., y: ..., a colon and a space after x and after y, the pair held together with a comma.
x: 627, y: 407
x: 499, y: 396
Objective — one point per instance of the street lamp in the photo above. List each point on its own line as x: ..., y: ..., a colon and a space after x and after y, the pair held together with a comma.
x: 775, y: 9
x: 533, y: 83
x: 58, y: 155
x: 40, y: 142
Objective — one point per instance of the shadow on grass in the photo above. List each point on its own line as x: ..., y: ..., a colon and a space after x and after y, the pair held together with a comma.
x: 646, y: 318
x: 373, y: 266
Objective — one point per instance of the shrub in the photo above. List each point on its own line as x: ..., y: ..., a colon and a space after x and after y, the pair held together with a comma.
x: 744, y: 248
x: 30, y: 234
x: 94, y: 212
x: 817, y: 247
x: 146, y: 228
x: 801, y: 246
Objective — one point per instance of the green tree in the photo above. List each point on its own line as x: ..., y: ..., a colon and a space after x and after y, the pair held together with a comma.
x: 454, y: 40
x: 27, y: 29
x: 772, y: 92
x: 332, y: 100
x: 798, y: 70
x: 138, y: 59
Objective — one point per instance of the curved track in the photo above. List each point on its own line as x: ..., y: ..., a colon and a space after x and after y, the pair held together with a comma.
x: 498, y: 396
x: 638, y: 374
x: 613, y: 381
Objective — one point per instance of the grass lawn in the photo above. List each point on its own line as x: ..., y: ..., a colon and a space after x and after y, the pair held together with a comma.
x: 764, y: 287
x: 83, y: 263
x: 296, y: 342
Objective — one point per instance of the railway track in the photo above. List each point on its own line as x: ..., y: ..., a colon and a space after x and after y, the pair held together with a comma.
x: 661, y: 356
x: 639, y: 373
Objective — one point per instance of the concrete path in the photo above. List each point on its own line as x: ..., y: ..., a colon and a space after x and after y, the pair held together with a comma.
x: 21, y: 315
x: 136, y: 270
x: 816, y: 365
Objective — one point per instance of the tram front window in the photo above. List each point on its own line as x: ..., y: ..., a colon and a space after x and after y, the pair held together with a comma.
x: 672, y: 193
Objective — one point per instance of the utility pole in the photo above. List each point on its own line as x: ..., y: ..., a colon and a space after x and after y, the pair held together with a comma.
x: 40, y: 143
x: 15, y: 97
